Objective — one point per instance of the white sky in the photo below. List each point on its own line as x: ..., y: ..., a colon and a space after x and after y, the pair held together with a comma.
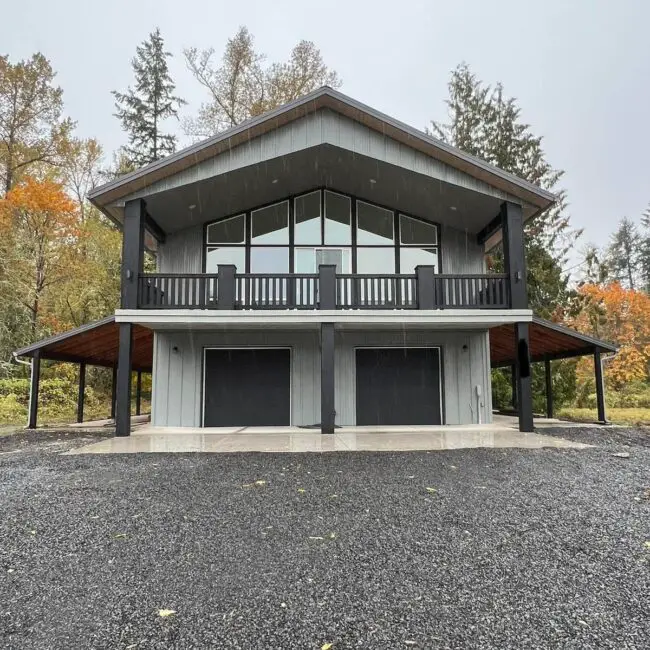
x: 579, y: 68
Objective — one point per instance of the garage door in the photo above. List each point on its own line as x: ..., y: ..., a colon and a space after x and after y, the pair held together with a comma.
x: 247, y: 387
x: 398, y: 386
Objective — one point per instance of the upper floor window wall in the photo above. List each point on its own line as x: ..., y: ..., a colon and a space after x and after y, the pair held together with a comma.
x: 322, y: 227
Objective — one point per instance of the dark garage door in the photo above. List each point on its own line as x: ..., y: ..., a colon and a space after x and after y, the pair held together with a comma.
x: 398, y: 386
x: 247, y: 387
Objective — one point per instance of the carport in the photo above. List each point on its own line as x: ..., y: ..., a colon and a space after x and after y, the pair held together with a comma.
x: 94, y: 344
x: 550, y: 342
x: 97, y: 344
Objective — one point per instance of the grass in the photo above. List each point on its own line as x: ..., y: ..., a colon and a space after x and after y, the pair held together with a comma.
x: 626, y: 416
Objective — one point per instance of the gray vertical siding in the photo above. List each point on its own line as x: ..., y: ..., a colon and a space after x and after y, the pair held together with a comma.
x: 323, y: 127
x: 460, y: 252
x: 178, y: 371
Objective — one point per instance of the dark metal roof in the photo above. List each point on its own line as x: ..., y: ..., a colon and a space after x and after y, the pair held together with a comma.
x: 322, y: 97
x: 548, y: 340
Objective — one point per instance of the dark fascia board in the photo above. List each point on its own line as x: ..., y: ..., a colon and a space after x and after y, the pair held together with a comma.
x: 322, y: 97
x: 57, y: 338
x: 589, y: 340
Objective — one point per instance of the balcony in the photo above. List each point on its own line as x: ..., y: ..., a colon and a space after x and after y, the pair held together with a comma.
x: 326, y: 289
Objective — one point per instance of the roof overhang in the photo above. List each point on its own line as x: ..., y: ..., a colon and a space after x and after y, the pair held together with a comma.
x: 109, y: 194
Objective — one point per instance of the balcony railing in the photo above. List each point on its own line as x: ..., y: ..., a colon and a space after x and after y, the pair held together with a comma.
x: 326, y: 289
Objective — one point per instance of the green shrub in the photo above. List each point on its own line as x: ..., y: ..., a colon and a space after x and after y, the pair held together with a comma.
x: 12, y: 411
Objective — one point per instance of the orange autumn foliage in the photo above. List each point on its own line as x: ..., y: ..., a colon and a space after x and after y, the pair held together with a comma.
x: 622, y: 316
x: 39, y: 233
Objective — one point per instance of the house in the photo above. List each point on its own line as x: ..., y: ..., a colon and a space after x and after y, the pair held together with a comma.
x: 321, y: 265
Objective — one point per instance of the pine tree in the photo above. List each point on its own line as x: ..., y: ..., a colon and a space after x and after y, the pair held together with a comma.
x: 644, y: 251
x: 487, y: 124
x: 144, y: 109
x: 623, y: 254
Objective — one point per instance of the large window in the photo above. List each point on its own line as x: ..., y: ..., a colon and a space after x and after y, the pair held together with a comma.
x: 322, y: 227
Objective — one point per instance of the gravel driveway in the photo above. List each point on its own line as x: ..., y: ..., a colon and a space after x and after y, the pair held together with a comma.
x: 460, y: 549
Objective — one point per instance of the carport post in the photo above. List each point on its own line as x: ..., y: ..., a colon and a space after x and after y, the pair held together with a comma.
x: 80, y: 395
x: 33, y: 390
x: 513, y: 386
x: 524, y: 379
x: 113, y: 392
x: 138, y: 392
x: 600, y: 386
x: 549, y: 388
x: 327, y: 405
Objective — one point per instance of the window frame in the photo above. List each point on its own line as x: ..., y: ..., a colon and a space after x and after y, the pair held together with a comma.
x: 397, y: 244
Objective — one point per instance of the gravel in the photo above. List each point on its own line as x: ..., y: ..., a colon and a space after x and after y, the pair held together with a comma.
x: 460, y: 549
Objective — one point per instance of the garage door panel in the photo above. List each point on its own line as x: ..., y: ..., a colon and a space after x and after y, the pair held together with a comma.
x: 247, y: 387
x: 398, y: 386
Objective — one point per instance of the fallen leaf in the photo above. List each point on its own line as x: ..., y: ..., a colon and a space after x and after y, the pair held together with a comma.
x: 260, y: 483
x: 334, y: 496
x: 32, y: 532
x: 316, y: 537
x: 10, y: 570
x: 166, y: 612
x: 327, y: 646
x: 283, y: 605
x: 302, y: 490
x: 622, y: 454
x: 119, y: 535
x: 430, y: 489
x: 647, y: 544
x: 332, y: 535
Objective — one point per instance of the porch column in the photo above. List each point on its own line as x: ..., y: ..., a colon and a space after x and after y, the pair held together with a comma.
x: 34, y: 384
x: 514, y: 259
x: 523, y: 378
x: 113, y: 392
x: 600, y: 386
x: 80, y: 394
x: 327, y: 407
x: 132, y: 264
x: 138, y: 393
x: 549, y: 388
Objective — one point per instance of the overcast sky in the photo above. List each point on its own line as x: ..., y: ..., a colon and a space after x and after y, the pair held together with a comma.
x: 579, y: 68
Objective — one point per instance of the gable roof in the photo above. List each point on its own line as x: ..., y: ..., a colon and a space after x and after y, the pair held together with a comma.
x: 324, y: 97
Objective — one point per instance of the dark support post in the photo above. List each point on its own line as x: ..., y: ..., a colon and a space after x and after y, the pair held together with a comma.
x: 524, y: 378
x: 425, y: 283
x: 138, y: 393
x: 32, y: 419
x: 327, y: 286
x: 600, y: 386
x: 513, y: 386
x: 226, y: 286
x: 113, y: 392
x: 549, y: 388
x: 123, y: 394
x: 514, y: 260
x: 327, y: 407
x: 82, y: 389
x: 132, y: 261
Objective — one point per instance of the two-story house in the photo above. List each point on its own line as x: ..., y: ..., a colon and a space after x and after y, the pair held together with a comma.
x: 321, y: 265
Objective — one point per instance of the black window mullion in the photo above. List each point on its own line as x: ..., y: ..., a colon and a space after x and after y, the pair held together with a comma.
x: 291, y: 234
x: 247, y: 234
x: 322, y: 218
x: 398, y: 237
x: 353, y: 223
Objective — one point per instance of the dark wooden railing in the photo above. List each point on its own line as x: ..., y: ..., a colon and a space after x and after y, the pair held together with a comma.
x: 228, y: 289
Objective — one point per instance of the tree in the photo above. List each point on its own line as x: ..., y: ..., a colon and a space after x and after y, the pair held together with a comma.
x: 613, y: 313
x: 80, y: 170
x: 39, y: 230
x: 623, y: 254
x: 31, y: 127
x: 144, y: 109
x: 487, y: 124
x: 241, y: 87
x: 644, y: 251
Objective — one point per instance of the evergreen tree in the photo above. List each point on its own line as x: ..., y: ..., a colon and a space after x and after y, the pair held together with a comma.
x: 644, y: 251
x: 623, y: 254
x: 487, y: 124
x: 143, y: 109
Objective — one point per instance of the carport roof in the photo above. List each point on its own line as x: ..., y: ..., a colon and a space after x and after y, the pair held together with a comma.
x: 97, y: 344
x: 548, y: 340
